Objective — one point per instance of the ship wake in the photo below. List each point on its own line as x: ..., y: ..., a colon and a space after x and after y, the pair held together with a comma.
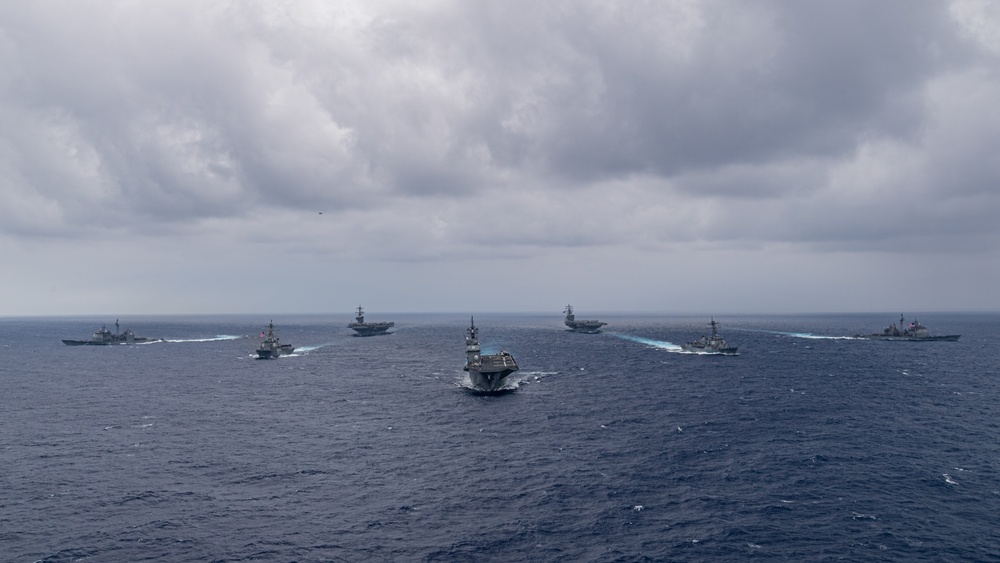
x: 806, y: 335
x: 307, y: 349
x: 214, y: 339
x: 658, y: 344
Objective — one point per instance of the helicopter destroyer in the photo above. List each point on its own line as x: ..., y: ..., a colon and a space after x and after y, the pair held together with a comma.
x: 915, y: 332
x: 590, y: 327
x: 714, y: 344
x: 487, y: 372
x: 272, y: 347
x: 104, y: 337
x: 361, y: 328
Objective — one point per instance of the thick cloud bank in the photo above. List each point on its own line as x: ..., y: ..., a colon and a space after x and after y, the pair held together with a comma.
x: 555, y: 144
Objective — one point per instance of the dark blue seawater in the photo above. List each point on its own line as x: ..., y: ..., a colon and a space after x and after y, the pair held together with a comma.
x: 613, y: 446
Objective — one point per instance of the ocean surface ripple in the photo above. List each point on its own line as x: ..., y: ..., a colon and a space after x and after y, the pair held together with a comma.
x: 809, y: 445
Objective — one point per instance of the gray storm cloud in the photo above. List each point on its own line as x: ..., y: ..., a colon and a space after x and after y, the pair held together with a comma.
x: 818, y: 127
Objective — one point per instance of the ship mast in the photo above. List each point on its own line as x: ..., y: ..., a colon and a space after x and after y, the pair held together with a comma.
x: 472, y: 344
x: 569, y: 313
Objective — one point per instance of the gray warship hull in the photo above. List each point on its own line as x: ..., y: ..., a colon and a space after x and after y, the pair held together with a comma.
x: 138, y: 340
x: 490, y: 373
x: 274, y: 352
x: 914, y: 332
x: 370, y: 329
x: 942, y: 338
x: 104, y: 337
x: 590, y: 327
x: 721, y: 350
x: 489, y: 381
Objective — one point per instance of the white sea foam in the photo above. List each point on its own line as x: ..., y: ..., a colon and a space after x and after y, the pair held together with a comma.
x: 811, y: 336
x: 859, y: 516
x: 310, y: 348
x: 661, y: 344
x: 510, y: 384
x: 806, y: 335
x: 667, y: 346
x: 214, y: 339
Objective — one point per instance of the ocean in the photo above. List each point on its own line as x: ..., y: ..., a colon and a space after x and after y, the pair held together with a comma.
x: 807, y: 446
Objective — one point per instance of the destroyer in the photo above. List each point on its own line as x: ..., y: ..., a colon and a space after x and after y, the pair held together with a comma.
x: 915, y: 332
x: 581, y: 326
x: 104, y: 337
x: 361, y: 328
x: 713, y: 344
x: 272, y: 347
x: 487, y: 372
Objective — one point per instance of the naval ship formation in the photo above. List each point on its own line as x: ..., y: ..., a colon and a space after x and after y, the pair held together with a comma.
x: 104, y: 337
x: 487, y: 372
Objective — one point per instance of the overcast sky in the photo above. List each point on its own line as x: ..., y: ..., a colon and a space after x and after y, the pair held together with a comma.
x: 476, y: 156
